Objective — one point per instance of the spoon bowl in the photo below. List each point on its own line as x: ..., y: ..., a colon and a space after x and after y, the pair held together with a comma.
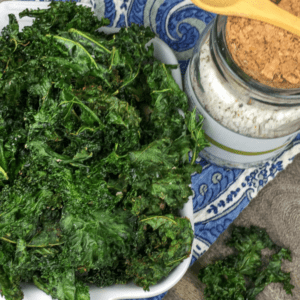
x: 260, y: 10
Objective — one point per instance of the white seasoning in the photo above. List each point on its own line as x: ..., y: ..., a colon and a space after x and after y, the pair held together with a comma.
x: 249, y: 118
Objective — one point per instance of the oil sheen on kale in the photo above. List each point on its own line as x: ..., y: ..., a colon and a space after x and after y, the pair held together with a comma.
x: 90, y: 184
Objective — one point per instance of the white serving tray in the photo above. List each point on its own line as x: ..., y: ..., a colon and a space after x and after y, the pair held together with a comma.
x: 129, y: 291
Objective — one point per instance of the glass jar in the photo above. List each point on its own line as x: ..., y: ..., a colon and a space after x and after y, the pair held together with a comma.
x: 247, y: 123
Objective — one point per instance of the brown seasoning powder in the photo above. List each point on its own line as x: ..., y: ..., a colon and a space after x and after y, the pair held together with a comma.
x: 268, y: 54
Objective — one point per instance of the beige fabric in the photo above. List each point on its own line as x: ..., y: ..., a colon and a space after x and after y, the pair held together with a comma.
x: 277, y: 209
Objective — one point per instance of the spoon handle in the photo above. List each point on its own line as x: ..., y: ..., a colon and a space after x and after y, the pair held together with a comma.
x: 261, y: 10
x: 270, y: 13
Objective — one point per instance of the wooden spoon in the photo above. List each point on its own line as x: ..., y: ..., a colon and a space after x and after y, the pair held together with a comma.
x: 261, y: 10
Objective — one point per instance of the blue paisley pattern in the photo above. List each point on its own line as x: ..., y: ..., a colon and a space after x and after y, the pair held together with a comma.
x: 136, y: 12
x: 110, y: 10
x: 220, y: 194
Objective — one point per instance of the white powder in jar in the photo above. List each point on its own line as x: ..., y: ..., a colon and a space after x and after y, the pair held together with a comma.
x: 249, y: 118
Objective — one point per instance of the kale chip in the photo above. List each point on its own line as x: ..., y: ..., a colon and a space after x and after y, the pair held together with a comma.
x: 94, y: 156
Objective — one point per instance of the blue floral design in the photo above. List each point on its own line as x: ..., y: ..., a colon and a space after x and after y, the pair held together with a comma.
x: 136, y: 13
x: 124, y: 5
x: 179, y: 34
x: 110, y: 11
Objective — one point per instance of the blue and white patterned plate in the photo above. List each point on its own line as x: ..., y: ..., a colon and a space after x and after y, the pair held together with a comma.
x: 220, y: 194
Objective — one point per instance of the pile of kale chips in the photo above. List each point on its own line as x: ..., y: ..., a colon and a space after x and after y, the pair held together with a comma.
x: 90, y: 183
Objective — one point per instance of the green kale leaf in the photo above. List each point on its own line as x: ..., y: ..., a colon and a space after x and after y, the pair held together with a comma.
x: 243, y: 276
x: 95, y: 144
x: 164, y: 248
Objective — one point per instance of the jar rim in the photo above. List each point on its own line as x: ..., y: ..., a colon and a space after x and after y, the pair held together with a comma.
x: 218, y: 34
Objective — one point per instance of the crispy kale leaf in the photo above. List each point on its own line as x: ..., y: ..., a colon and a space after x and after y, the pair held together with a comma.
x: 94, y: 156
x: 162, y: 249
x: 243, y: 276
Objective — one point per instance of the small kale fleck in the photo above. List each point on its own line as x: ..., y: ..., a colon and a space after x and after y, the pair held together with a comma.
x: 242, y: 276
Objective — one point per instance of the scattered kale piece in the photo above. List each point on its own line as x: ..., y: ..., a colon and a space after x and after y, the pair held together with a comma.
x: 243, y: 276
x: 94, y: 156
